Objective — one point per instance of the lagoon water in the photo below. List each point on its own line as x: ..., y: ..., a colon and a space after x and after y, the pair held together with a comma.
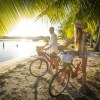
x: 18, y: 48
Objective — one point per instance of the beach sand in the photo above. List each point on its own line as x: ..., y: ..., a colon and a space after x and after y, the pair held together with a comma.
x: 5, y: 66
x: 16, y: 83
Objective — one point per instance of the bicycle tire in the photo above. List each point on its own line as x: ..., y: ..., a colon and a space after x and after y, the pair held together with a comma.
x: 38, y: 71
x: 62, y: 87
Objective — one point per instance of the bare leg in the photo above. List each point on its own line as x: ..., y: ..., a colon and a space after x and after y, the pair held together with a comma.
x: 56, y: 63
x: 50, y: 63
x: 62, y: 77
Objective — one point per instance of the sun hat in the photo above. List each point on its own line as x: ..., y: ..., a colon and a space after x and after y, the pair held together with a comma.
x: 78, y: 24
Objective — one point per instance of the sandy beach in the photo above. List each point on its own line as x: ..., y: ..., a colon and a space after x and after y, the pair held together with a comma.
x: 9, y: 64
x: 16, y: 83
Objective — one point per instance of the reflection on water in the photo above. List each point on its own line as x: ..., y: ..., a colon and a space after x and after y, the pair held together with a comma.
x: 23, y: 48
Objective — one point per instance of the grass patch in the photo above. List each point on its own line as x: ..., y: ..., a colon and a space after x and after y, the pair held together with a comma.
x: 92, y: 65
x: 97, y: 53
x: 90, y: 49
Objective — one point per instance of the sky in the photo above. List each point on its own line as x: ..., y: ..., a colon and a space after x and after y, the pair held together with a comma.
x: 28, y: 27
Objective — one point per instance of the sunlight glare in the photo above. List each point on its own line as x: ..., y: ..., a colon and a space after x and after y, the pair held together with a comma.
x: 25, y: 49
x: 29, y: 28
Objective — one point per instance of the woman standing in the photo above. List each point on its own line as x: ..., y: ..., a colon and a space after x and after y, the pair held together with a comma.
x: 80, y: 49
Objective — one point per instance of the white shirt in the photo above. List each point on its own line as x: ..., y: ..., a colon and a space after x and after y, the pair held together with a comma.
x: 67, y: 58
x: 52, y: 47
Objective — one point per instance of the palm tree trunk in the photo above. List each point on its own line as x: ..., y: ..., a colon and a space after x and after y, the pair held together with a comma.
x: 91, y: 42
x: 97, y: 46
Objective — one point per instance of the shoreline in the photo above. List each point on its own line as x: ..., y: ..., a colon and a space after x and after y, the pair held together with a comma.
x: 10, y: 64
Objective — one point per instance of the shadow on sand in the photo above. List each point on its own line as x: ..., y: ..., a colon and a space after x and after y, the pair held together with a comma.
x: 71, y: 92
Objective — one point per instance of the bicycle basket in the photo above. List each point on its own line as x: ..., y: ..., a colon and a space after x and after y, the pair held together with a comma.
x: 39, y: 50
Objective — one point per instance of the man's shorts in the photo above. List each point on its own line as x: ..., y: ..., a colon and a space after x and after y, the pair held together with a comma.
x: 67, y: 65
x: 53, y: 55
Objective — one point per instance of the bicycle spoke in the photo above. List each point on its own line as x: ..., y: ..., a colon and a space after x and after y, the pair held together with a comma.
x: 58, y: 83
x: 38, y: 67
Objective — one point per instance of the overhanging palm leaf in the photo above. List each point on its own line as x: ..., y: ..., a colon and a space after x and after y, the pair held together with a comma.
x: 56, y: 10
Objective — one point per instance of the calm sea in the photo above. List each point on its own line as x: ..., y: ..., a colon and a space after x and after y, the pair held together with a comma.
x: 21, y: 48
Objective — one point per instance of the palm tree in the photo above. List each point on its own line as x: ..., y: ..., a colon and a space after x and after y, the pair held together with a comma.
x: 56, y: 10
x: 72, y: 10
x: 97, y: 46
x: 11, y: 11
x: 61, y: 33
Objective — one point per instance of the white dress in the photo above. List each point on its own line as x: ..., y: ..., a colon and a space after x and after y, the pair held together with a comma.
x: 52, y: 47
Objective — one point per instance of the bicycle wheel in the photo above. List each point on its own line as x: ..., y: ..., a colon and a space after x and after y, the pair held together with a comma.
x: 38, y: 67
x: 59, y: 83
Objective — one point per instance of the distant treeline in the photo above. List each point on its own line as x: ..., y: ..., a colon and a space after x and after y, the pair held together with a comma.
x: 19, y: 37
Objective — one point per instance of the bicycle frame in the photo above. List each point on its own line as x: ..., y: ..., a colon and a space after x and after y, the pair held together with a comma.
x: 47, y: 56
x: 76, y: 68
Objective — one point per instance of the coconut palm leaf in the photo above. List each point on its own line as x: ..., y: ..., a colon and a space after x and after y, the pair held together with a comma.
x: 57, y: 11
